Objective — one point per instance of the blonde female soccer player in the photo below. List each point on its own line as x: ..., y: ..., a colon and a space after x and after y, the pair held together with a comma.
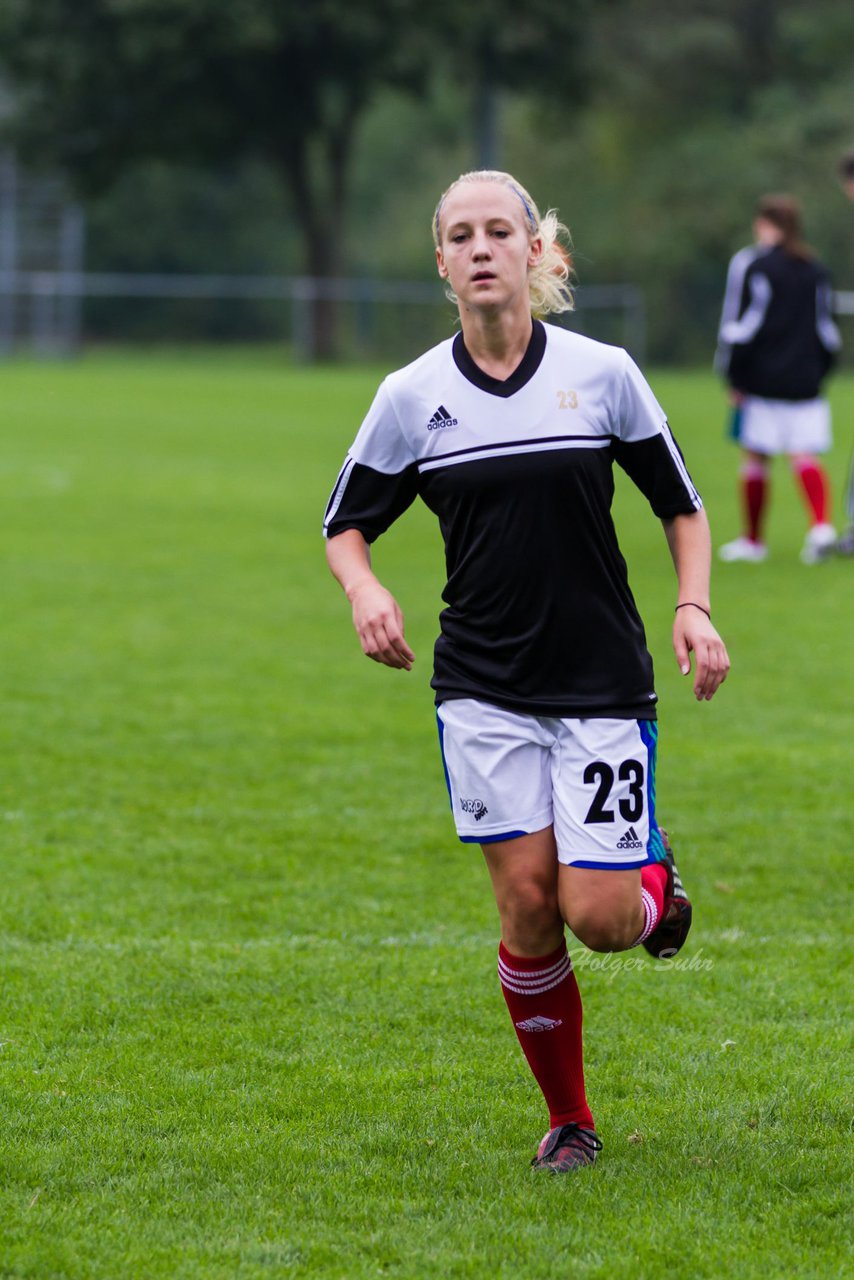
x: 544, y: 686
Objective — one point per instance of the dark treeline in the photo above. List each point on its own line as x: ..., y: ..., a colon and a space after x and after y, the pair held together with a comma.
x: 278, y: 137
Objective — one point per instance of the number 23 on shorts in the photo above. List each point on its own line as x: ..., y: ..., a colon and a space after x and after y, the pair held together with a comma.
x: 630, y: 806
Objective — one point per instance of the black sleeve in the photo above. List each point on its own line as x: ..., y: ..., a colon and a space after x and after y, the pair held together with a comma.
x: 658, y: 469
x: 369, y: 500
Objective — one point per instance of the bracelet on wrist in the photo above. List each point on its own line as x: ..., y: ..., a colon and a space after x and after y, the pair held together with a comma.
x: 691, y: 604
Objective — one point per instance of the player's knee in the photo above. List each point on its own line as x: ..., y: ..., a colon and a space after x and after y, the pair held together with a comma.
x: 530, y: 917
x: 606, y: 926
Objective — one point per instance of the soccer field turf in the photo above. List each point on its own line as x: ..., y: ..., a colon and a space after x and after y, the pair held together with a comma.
x: 251, y: 1025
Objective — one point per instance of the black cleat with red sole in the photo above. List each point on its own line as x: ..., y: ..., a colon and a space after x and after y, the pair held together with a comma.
x: 566, y: 1148
x: 670, y: 934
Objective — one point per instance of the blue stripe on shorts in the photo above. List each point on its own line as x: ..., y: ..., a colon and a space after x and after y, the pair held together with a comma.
x: 503, y: 835
x: 444, y: 761
x: 735, y: 423
x: 649, y: 737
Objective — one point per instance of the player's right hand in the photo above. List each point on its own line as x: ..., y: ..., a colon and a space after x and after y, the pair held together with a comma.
x: 379, y: 625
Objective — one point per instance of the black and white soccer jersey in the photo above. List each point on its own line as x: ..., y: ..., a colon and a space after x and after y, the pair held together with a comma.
x: 777, y: 338
x: 539, y: 617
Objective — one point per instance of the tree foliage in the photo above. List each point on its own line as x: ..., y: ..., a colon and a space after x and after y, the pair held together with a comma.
x: 654, y: 130
x: 104, y: 83
x: 688, y: 123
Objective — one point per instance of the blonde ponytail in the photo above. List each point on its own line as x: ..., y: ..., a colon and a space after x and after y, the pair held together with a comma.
x: 549, y: 279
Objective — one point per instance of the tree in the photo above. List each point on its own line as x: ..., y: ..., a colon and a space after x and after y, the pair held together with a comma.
x: 686, y: 125
x: 101, y: 84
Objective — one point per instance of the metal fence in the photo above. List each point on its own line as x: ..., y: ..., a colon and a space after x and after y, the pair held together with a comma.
x: 49, y: 304
x: 43, y: 310
x: 41, y: 230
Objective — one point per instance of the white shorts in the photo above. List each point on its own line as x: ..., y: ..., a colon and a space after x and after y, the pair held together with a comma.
x: 784, y: 426
x: 593, y: 780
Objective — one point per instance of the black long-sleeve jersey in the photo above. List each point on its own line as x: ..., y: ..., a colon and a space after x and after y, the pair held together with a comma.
x: 777, y: 337
x: 539, y: 616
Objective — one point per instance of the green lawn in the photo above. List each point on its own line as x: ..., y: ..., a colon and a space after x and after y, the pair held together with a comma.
x: 250, y: 1020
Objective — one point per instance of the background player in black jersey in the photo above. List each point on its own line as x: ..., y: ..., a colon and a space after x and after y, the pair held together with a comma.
x: 544, y: 686
x: 777, y: 343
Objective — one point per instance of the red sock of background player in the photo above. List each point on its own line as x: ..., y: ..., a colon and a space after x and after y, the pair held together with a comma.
x: 754, y: 498
x: 812, y: 478
x: 545, y: 1005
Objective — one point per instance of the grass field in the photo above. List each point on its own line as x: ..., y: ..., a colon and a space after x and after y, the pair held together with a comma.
x: 250, y: 1020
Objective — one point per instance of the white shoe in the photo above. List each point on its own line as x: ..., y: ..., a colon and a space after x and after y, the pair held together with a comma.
x: 818, y: 544
x: 743, y: 549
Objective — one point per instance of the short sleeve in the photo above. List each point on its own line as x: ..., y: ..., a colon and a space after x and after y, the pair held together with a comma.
x: 379, y: 479
x: 647, y: 451
x: 380, y: 442
x: 639, y: 415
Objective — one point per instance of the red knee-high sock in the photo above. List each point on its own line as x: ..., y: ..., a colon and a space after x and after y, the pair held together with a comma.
x: 653, y: 885
x: 754, y: 498
x: 813, y: 480
x: 545, y: 1005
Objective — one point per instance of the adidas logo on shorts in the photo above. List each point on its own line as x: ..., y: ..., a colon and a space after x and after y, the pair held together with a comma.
x: 629, y: 840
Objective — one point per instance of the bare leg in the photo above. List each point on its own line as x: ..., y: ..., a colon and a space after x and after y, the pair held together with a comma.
x: 524, y: 875
x: 535, y: 896
x: 602, y: 908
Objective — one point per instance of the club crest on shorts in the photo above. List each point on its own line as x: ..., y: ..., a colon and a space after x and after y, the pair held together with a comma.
x: 476, y: 808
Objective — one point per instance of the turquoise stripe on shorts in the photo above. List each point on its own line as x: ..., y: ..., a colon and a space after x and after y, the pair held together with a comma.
x: 649, y: 737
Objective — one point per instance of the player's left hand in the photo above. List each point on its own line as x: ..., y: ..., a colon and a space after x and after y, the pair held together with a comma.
x: 693, y: 633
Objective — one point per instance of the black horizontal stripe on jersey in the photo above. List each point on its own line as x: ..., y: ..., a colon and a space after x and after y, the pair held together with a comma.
x: 499, y: 447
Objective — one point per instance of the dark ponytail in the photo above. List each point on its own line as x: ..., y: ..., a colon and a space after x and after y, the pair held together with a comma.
x: 784, y: 212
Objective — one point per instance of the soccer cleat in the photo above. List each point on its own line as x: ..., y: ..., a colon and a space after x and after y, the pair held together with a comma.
x: 567, y: 1147
x: 669, y: 935
x: 819, y: 543
x: 744, y: 549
